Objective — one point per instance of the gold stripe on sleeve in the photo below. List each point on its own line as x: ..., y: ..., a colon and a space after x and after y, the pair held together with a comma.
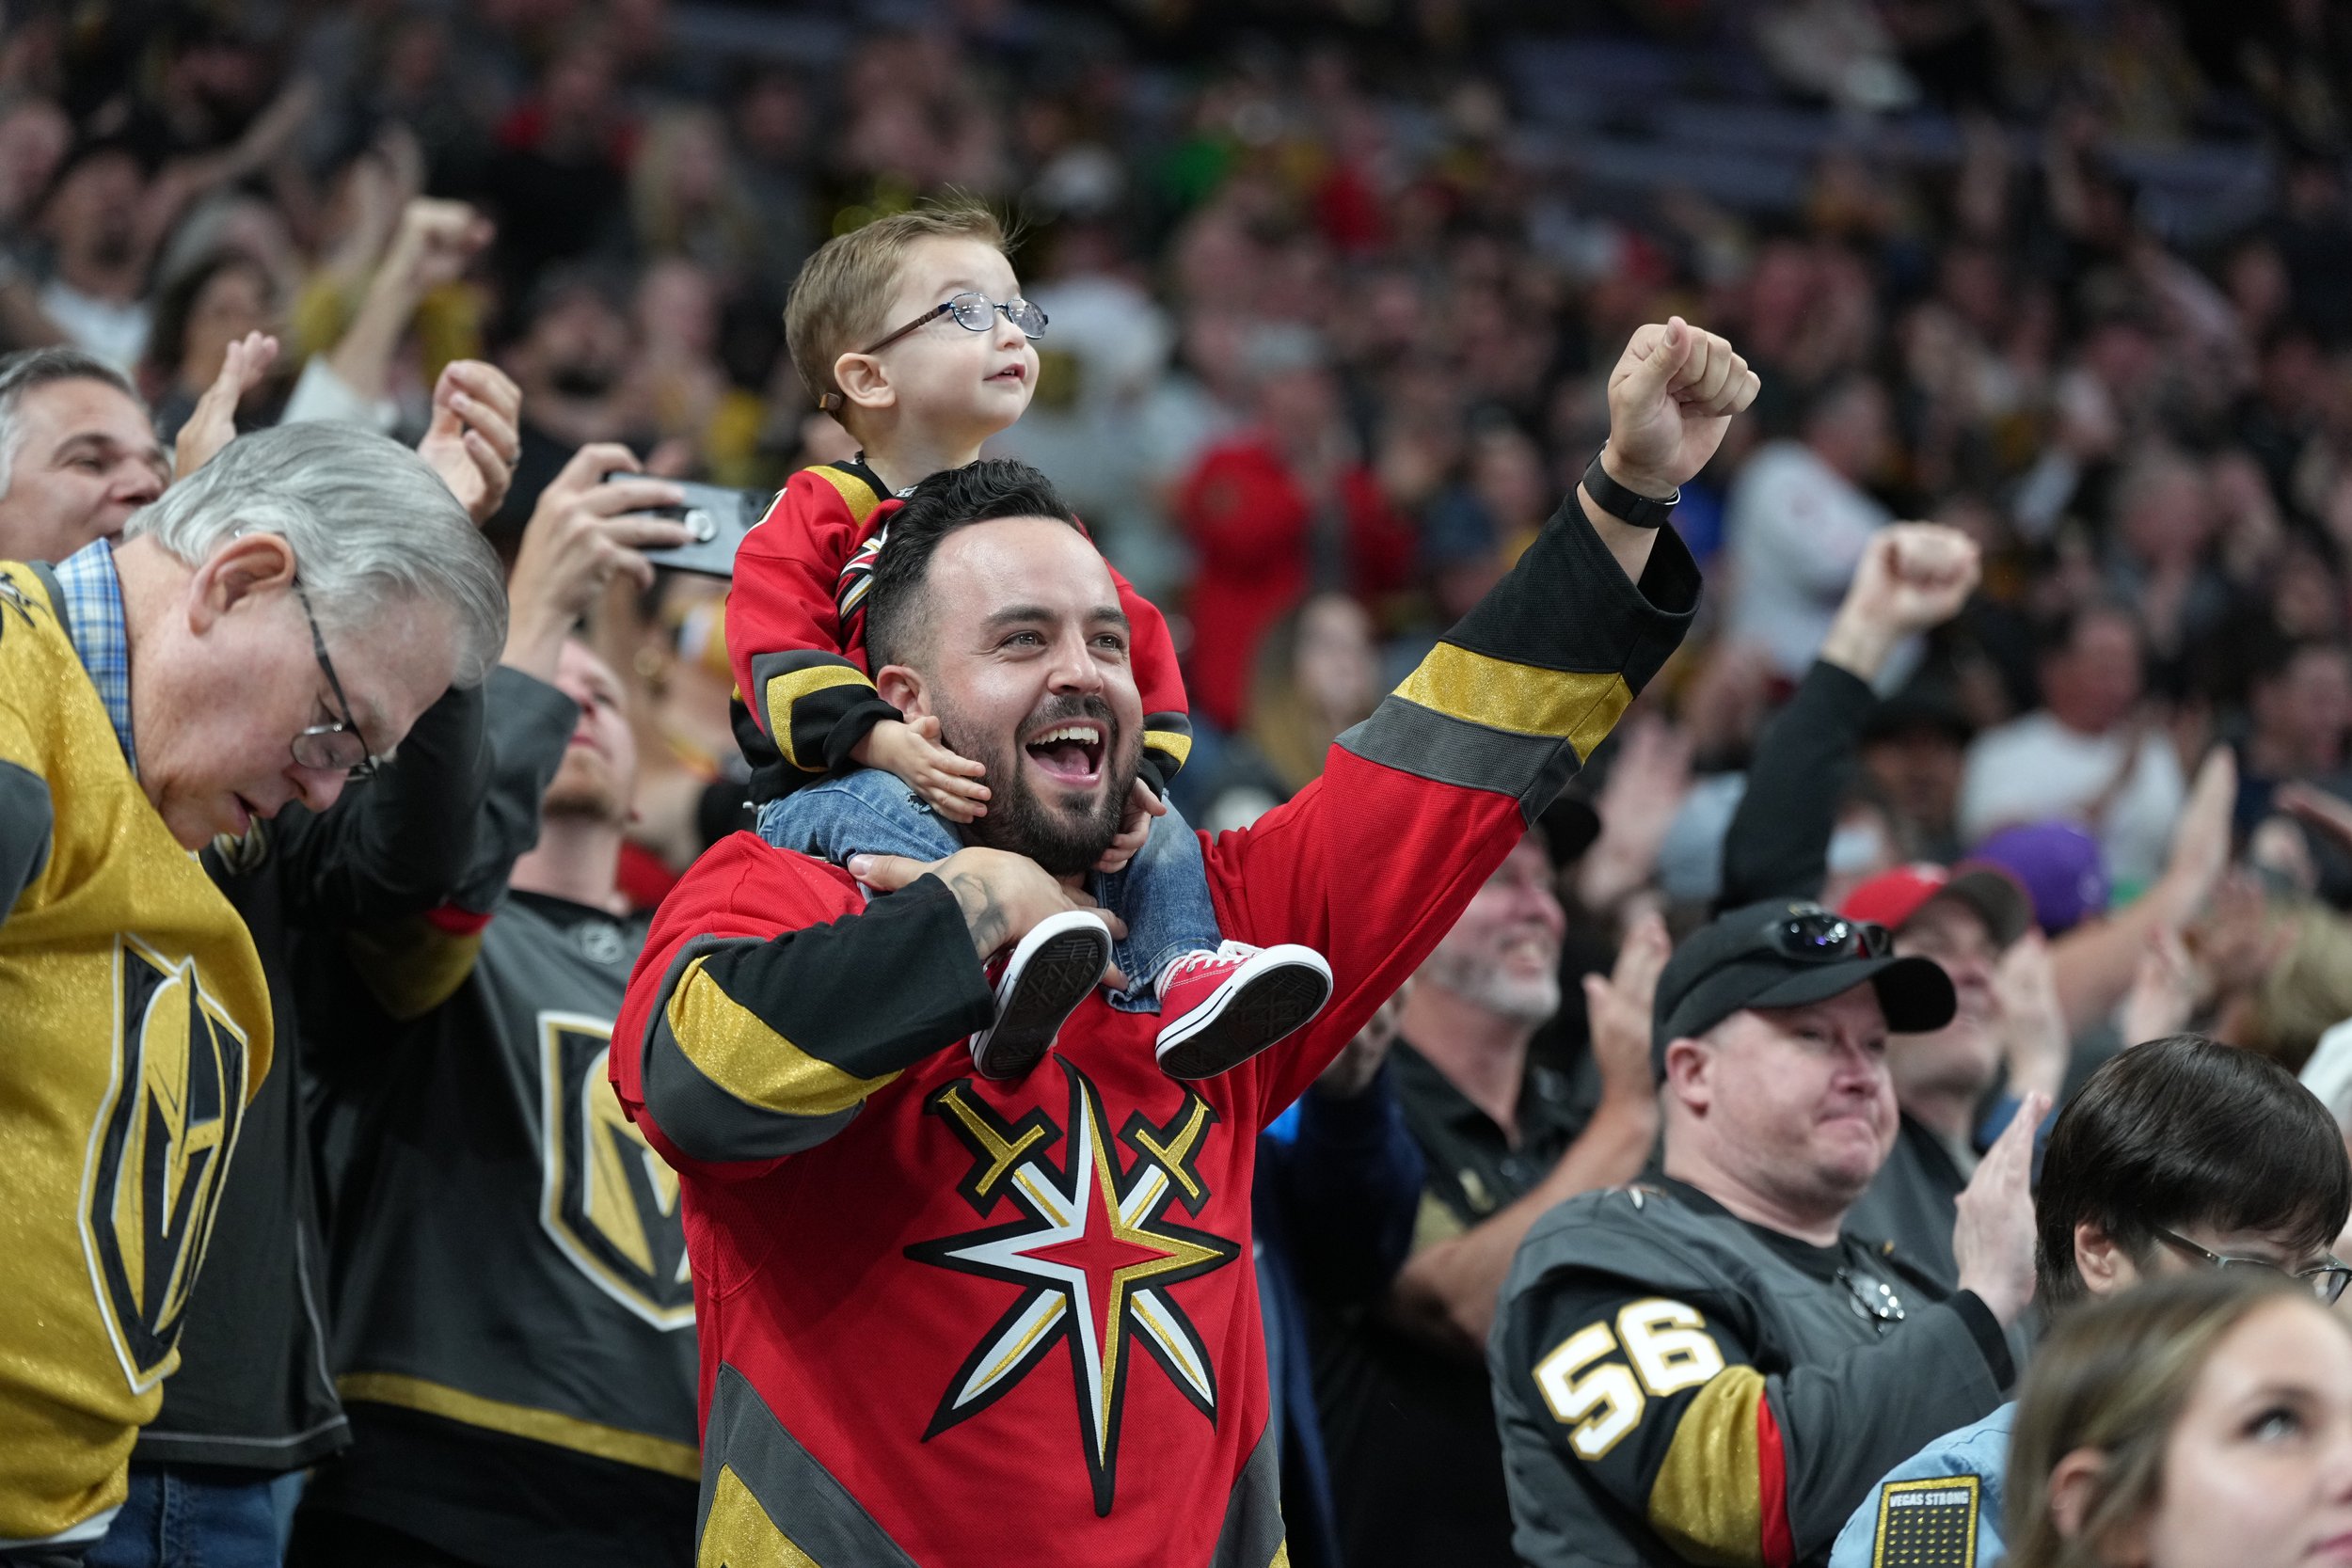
x: 782, y: 693
x: 1704, y: 1502
x: 729, y: 1045
x: 682, y: 1460
x: 1520, y: 697
x: 1170, y: 743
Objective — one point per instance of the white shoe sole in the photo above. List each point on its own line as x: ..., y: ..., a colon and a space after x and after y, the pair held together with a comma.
x: 1279, y: 991
x: 1050, y: 973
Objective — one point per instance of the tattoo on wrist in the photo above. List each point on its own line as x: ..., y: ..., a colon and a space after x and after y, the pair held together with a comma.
x: 982, y: 910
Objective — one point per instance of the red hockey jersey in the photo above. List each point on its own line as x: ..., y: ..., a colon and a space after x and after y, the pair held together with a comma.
x: 964, y: 1323
x: 796, y: 638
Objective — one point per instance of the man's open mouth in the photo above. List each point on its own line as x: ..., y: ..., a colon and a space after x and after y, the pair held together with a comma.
x: 1069, y: 753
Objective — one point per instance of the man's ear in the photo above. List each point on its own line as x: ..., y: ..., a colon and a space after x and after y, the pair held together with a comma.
x: 864, y: 383
x: 904, y: 689
x: 2101, y: 1261
x: 237, y: 570
x: 1690, y: 1073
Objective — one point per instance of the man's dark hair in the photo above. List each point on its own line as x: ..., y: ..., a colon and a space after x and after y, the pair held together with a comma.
x: 2054, y: 636
x: 2186, y: 1131
x: 949, y: 500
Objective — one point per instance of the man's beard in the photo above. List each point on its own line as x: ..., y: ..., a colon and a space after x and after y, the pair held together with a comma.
x: 585, y: 788
x: 1065, y: 835
x: 1483, y: 980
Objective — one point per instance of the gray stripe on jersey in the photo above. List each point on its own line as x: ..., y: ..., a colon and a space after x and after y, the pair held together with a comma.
x: 800, y: 1498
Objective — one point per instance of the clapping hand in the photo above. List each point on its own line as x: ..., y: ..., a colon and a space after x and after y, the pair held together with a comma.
x: 214, y: 423
x: 474, y: 439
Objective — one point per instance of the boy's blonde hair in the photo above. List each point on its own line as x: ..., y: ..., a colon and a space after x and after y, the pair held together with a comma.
x: 838, y: 300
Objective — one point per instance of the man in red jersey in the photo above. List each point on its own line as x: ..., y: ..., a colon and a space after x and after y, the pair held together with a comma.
x: 954, y: 1320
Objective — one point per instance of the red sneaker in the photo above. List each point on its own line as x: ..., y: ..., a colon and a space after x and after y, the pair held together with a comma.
x: 1221, y: 1008
x: 1049, y: 974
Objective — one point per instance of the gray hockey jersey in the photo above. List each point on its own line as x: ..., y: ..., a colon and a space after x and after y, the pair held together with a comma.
x: 1675, y: 1386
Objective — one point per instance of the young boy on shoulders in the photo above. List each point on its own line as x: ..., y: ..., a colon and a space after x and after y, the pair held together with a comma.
x: 912, y: 332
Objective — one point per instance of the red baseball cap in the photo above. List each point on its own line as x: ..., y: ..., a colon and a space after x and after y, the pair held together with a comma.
x: 1891, y: 898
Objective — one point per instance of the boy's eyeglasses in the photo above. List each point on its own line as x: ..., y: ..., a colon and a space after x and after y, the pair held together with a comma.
x: 973, y: 312
x: 339, y: 745
x: 2326, y: 1279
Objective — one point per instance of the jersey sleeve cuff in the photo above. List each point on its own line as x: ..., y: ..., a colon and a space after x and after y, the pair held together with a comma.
x: 1991, y: 1339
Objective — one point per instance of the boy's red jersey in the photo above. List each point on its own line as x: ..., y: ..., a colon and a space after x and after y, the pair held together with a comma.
x: 958, y: 1323
x: 796, y: 637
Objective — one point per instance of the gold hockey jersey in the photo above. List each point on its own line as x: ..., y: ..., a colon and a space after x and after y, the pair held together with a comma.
x: 135, y: 1026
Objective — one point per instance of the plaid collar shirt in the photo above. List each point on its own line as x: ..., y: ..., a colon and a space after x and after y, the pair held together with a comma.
x: 93, y: 607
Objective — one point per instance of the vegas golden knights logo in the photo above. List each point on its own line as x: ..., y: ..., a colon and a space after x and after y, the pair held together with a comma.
x: 159, y: 1153
x: 609, y: 1201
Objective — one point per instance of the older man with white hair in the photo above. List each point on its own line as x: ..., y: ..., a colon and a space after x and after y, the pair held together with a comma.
x: 269, y: 628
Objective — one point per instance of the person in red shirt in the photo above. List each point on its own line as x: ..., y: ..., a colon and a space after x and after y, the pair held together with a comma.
x: 1283, y: 508
x: 964, y: 1321
x: 912, y: 333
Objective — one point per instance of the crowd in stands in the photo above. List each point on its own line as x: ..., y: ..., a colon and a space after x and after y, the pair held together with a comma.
x: 2024, y: 656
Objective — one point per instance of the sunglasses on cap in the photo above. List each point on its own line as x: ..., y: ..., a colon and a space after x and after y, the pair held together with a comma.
x: 1819, y: 936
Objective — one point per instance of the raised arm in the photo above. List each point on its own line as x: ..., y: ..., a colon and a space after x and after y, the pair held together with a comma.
x: 1912, y: 576
x: 1372, y: 863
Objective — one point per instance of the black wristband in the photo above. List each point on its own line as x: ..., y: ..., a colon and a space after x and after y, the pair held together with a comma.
x: 1629, y: 507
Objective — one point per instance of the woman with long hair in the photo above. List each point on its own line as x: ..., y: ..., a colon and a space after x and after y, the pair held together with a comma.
x: 2195, y: 1422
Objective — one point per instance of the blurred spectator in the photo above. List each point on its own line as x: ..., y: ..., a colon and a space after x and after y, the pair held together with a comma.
x: 1799, y: 521
x: 1915, y: 746
x: 77, y: 455
x: 1408, y: 1412
x: 686, y: 201
x: 770, y: 125
x: 1318, y: 673
x: 2088, y: 752
x: 204, y: 312
x: 1286, y: 506
x: 556, y: 185
x: 1338, y: 1187
x: 501, y: 1001
x: 95, y: 291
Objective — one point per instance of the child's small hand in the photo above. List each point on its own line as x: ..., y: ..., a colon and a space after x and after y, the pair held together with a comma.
x: 1142, y: 805
x: 912, y: 750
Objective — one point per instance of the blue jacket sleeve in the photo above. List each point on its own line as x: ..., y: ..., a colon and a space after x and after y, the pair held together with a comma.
x: 1348, y: 1185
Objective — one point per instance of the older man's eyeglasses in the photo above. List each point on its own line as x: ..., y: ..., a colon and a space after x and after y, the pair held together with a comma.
x: 2327, y: 1280
x: 972, y: 312
x: 338, y: 745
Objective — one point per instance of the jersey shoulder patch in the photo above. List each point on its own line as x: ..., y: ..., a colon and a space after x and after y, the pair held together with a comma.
x: 1929, y: 1523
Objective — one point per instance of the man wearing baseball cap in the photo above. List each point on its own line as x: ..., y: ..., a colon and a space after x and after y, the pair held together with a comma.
x: 1966, y: 918
x: 1707, y: 1367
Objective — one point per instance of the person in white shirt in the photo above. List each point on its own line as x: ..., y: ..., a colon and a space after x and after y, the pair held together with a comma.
x: 1799, y: 520
x: 2086, y: 754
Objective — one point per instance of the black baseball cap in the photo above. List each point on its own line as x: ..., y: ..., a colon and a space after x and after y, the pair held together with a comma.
x: 1786, y: 953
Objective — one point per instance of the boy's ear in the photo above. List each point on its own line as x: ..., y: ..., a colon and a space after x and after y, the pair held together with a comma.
x: 903, y: 689
x: 864, y: 383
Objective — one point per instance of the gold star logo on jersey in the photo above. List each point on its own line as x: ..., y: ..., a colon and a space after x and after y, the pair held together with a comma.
x: 1093, y: 1253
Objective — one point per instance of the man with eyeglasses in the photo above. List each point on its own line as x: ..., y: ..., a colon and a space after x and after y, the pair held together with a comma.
x: 2182, y: 1153
x: 275, y: 620
x: 1705, y: 1367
